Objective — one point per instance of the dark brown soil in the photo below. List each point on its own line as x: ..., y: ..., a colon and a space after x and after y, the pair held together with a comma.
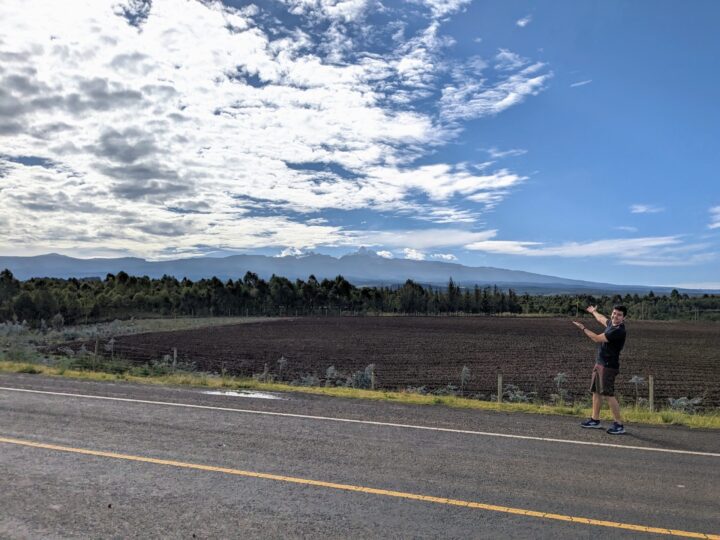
x: 683, y: 357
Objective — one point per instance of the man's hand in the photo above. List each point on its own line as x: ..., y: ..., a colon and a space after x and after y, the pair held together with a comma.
x: 599, y: 317
x: 597, y: 338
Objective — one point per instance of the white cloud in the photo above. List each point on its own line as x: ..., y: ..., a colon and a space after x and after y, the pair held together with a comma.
x: 645, y: 209
x: 448, y: 215
x: 599, y: 248
x: 341, y: 10
x: 580, y: 83
x: 646, y: 251
x: 474, y: 99
x: 442, y: 181
x: 522, y: 23
x: 385, y: 254
x: 710, y: 285
x: 506, y: 60
x: 291, y: 252
x: 413, y: 254
x: 499, y: 154
x: 506, y: 247
x: 714, y: 218
x: 440, y: 8
x: 187, y: 127
x: 423, y: 239
x: 670, y: 260
x: 444, y: 256
x: 316, y: 221
x: 626, y: 228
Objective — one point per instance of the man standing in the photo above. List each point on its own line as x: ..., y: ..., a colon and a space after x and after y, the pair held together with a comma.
x: 607, y: 366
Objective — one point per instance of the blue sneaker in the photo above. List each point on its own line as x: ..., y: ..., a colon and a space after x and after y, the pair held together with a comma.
x: 591, y: 423
x: 616, y: 429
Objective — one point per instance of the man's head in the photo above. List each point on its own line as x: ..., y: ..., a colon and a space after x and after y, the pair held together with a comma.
x: 617, y: 317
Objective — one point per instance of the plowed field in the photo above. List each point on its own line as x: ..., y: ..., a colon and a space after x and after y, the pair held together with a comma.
x: 684, y: 357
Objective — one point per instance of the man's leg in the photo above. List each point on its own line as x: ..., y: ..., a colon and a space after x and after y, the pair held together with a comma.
x: 597, y: 402
x: 614, y: 407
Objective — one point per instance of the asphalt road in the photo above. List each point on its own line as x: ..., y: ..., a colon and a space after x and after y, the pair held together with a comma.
x: 192, y: 464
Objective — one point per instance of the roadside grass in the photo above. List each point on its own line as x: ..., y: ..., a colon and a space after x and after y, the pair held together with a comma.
x: 148, y: 375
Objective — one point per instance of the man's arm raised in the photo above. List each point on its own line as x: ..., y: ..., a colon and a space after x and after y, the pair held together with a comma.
x: 602, y: 319
x: 597, y: 338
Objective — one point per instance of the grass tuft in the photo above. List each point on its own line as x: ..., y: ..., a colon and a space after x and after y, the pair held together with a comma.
x: 29, y: 369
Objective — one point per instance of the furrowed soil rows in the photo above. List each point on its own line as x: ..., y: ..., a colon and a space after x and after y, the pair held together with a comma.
x: 684, y: 357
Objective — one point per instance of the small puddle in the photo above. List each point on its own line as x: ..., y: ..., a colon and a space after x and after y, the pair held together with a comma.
x: 243, y: 393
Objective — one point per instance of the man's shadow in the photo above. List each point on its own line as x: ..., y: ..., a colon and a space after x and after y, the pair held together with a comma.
x: 644, y: 434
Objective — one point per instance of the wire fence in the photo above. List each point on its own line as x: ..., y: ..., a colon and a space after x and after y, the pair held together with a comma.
x: 488, y: 381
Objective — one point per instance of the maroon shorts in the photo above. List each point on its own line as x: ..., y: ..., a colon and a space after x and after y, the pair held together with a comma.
x: 603, y: 380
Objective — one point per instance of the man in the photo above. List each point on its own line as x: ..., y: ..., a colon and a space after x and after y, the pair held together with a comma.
x: 607, y: 366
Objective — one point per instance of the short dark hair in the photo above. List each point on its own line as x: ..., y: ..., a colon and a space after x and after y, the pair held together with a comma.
x: 621, y: 308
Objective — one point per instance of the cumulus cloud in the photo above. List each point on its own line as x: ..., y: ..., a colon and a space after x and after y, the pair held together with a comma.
x: 291, y: 252
x: 444, y: 256
x: 385, y: 254
x: 413, y: 254
x: 522, y: 23
x: 441, y: 182
x: 179, y: 127
x: 344, y: 10
x: 440, y: 8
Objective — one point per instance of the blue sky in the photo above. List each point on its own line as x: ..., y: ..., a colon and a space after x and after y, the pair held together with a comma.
x: 578, y: 139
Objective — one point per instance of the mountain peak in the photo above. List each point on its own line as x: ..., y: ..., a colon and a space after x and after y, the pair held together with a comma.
x: 363, y: 252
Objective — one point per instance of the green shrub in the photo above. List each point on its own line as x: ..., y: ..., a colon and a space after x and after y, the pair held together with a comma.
x: 514, y: 394
x: 307, y: 380
x: 685, y: 404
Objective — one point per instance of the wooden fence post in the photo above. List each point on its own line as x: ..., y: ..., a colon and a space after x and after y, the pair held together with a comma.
x: 651, y: 392
x: 499, y: 390
x: 174, y: 358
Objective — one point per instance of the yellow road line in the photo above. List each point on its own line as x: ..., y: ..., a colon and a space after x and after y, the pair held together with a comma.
x: 361, y: 489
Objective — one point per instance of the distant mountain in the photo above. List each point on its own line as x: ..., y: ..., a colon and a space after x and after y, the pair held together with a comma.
x: 364, y: 267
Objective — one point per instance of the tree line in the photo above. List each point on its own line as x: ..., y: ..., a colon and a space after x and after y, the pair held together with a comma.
x: 44, y: 301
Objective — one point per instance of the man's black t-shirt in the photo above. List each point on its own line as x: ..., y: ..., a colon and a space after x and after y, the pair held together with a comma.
x: 609, y: 353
